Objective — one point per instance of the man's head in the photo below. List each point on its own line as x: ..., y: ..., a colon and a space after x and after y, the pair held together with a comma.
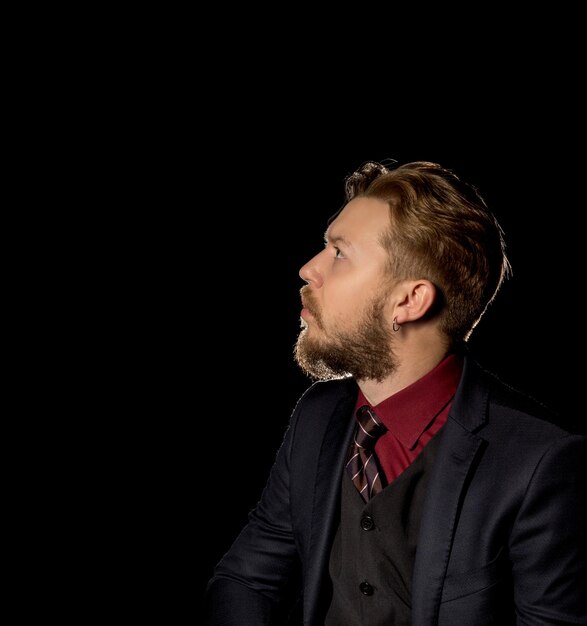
x: 413, y: 247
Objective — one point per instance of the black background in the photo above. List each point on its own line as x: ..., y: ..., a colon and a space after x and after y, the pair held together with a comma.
x: 266, y: 209
x: 202, y: 167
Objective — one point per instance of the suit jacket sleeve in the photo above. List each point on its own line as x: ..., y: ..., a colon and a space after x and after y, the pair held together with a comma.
x: 548, y: 542
x: 252, y: 578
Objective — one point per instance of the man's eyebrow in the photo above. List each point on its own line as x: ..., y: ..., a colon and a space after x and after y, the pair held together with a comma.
x: 337, y: 239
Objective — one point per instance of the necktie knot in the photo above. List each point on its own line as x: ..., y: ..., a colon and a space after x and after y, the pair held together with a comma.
x: 362, y: 464
x: 370, y: 428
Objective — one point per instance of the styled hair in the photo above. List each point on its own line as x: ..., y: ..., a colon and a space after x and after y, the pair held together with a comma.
x: 441, y: 230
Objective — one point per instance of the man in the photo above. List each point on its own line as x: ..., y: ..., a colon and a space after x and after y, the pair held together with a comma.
x: 412, y: 486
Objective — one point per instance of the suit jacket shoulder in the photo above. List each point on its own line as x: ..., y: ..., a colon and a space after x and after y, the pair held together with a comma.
x: 496, y: 402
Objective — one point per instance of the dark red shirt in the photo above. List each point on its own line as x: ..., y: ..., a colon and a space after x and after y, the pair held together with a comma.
x: 414, y: 415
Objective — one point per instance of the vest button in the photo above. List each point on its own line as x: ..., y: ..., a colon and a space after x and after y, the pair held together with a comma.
x: 366, y: 588
x: 367, y: 522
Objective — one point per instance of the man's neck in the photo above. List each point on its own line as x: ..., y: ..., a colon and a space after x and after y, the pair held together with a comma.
x: 409, y: 369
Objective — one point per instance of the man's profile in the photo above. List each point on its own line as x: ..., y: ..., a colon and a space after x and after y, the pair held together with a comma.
x: 412, y: 485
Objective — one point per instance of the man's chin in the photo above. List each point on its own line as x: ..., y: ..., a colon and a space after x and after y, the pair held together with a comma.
x: 310, y: 340
x: 311, y: 355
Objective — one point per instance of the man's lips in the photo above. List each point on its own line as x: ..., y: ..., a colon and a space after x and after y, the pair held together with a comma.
x: 306, y: 311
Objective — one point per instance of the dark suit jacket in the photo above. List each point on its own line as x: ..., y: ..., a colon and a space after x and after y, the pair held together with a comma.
x: 503, y: 530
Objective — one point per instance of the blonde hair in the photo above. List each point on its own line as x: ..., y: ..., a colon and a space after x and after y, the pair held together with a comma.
x: 440, y: 230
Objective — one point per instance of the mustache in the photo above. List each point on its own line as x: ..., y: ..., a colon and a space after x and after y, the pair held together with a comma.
x: 308, y: 300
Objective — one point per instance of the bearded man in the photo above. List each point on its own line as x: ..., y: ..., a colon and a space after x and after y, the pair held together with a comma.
x: 412, y: 487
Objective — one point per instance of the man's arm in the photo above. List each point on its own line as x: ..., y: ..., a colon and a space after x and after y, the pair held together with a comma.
x: 250, y: 581
x: 548, y: 545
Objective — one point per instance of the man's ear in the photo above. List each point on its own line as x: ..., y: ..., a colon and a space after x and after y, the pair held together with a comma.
x: 416, y: 300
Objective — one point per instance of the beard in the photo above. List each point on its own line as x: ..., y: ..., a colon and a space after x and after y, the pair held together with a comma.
x: 364, y: 352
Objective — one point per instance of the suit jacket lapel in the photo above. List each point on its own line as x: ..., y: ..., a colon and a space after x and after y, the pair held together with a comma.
x: 458, y: 448
x: 326, y: 502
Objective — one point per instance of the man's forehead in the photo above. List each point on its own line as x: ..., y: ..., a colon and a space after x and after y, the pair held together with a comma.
x: 336, y: 225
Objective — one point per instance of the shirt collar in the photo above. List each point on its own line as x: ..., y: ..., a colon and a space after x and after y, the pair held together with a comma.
x: 409, y: 412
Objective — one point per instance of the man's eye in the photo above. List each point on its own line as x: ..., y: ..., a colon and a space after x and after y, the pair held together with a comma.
x: 337, y: 253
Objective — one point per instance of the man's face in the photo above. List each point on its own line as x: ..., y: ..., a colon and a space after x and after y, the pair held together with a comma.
x: 344, y: 322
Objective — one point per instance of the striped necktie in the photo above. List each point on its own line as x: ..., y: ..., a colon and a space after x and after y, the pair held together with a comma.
x: 362, y: 464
